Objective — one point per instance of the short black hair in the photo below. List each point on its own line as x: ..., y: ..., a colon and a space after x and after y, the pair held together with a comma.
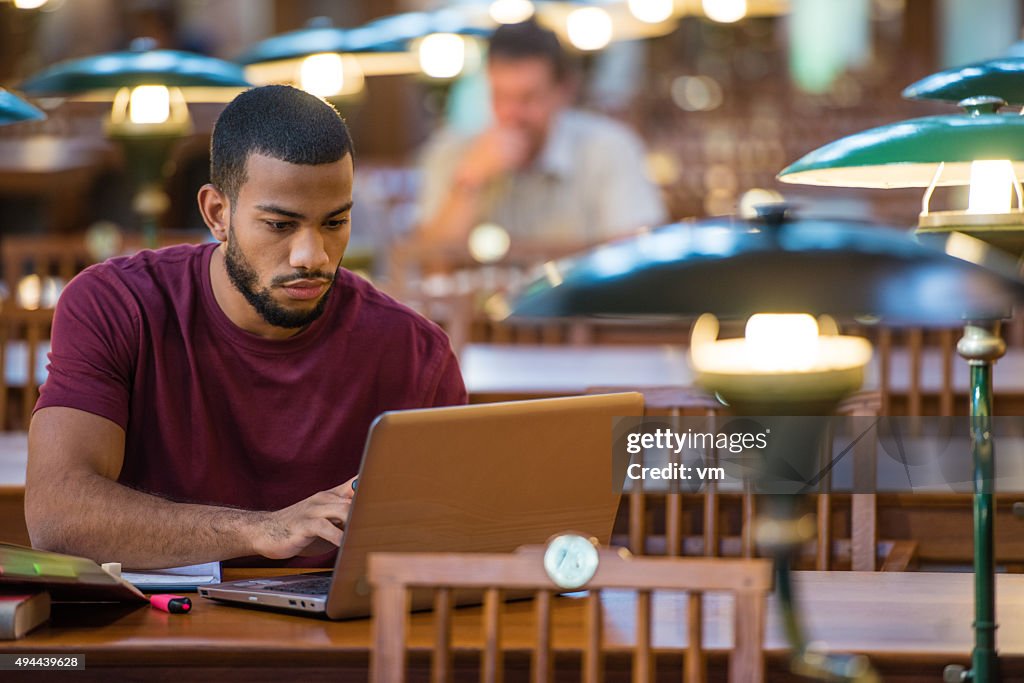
x: 526, y: 40
x: 278, y: 121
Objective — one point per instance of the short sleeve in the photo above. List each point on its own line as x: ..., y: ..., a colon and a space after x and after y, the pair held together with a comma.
x: 92, y: 349
x: 437, y: 170
x: 450, y: 389
x: 629, y: 199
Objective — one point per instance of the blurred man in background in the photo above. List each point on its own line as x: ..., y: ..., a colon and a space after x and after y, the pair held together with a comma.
x: 542, y: 171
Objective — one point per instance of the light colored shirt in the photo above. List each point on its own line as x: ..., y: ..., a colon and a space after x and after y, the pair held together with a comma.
x: 588, y: 184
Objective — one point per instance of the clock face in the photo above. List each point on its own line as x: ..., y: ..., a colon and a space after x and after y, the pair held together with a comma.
x: 570, y: 561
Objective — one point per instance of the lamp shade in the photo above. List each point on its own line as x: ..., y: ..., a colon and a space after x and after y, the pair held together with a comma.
x: 388, y: 34
x: 735, y: 268
x: 172, y: 68
x: 316, y: 38
x: 1002, y: 77
x: 13, y: 109
x: 907, y: 153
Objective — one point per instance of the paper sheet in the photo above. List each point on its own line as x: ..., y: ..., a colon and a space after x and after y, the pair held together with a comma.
x: 193, y: 575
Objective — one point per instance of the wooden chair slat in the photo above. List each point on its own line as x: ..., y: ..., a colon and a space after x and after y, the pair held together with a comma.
x: 543, y: 666
x: 694, y: 662
x: 491, y: 672
x: 643, y: 665
x: 592, y: 671
x: 441, y: 665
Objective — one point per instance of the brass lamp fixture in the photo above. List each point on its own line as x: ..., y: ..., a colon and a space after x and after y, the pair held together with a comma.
x: 149, y: 114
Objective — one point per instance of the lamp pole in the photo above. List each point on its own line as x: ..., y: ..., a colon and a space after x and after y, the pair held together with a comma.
x: 981, y: 346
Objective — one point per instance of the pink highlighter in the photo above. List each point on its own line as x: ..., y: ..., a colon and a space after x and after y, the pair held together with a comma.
x: 174, y: 604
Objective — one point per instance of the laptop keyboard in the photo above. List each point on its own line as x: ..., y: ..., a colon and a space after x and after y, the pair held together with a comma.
x: 308, y: 587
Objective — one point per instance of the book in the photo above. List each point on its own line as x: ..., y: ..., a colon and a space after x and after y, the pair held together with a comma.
x: 22, y: 612
x: 65, y: 577
x: 174, y: 579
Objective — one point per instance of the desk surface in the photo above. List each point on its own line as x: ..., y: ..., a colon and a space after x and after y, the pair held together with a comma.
x: 539, y: 370
x: 923, y: 618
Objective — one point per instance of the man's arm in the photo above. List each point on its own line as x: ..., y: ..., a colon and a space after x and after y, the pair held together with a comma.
x: 74, y: 505
x: 491, y: 154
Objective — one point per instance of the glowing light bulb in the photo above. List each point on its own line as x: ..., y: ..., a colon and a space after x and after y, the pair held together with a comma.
x: 322, y: 74
x: 991, y: 186
x: 442, y: 55
x: 725, y: 11
x: 511, y: 11
x: 782, y: 341
x: 29, y: 4
x: 149, y: 104
x: 651, y: 11
x: 30, y: 292
x: 488, y: 243
x: 589, y: 28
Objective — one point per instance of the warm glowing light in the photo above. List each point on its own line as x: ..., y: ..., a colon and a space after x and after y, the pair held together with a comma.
x: 442, y: 55
x: 30, y: 292
x: 35, y: 292
x: 651, y: 11
x: 696, y: 93
x: 103, y: 240
x: 488, y: 243
x: 149, y: 104
x: 782, y: 341
x: 991, y: 186
x: 589, y: 28
x: 775, y: 344
x: 29, y: 4
x: 322, y: 74
x: 511, y: 11
x: 725, y: 11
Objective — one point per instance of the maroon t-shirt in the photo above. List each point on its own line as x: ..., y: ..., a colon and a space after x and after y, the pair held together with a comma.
x: 214, y: 414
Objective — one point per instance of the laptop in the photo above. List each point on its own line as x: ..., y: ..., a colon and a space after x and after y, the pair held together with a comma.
x: 480, y: 478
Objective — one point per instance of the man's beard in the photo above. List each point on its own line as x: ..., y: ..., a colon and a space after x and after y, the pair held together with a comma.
x: 245, y: 279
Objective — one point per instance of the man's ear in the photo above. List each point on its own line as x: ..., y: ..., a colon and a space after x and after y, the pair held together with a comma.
x: 215, y: 208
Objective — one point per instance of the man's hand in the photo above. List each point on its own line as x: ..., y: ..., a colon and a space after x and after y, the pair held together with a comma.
x: 494, y: 152
x: 310, y: 527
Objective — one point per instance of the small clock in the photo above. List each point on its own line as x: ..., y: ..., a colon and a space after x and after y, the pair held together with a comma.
x: 570, y: 560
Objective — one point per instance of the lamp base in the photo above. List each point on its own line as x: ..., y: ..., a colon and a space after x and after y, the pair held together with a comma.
x: 796, y: 393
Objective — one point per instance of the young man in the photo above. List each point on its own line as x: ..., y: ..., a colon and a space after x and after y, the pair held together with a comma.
x: 211, y: 402
x: 541, y: 171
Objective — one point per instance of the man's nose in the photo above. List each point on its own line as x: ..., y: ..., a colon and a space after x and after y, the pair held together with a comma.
x: 307, y: 250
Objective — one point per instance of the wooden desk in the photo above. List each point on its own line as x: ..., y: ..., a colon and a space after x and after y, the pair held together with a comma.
x: 910, y: 624
x: 495, y: 372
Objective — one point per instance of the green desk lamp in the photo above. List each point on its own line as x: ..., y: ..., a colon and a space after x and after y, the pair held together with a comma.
x: 332, y: 62
x: 149, y: 113
x: 983, y: 149
x: 1001, y: 77
x: 13, y: 109
x: 787, y: 269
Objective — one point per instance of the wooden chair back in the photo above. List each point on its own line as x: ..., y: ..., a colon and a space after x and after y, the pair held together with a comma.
x: 905, y: 359
x: 393, y: 575
x: 43, y: 255
x: 24, y: 343
x: 862, y: 549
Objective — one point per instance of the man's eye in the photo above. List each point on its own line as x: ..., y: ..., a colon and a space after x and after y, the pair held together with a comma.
x: 338, y: 224
x: 279, y: 225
